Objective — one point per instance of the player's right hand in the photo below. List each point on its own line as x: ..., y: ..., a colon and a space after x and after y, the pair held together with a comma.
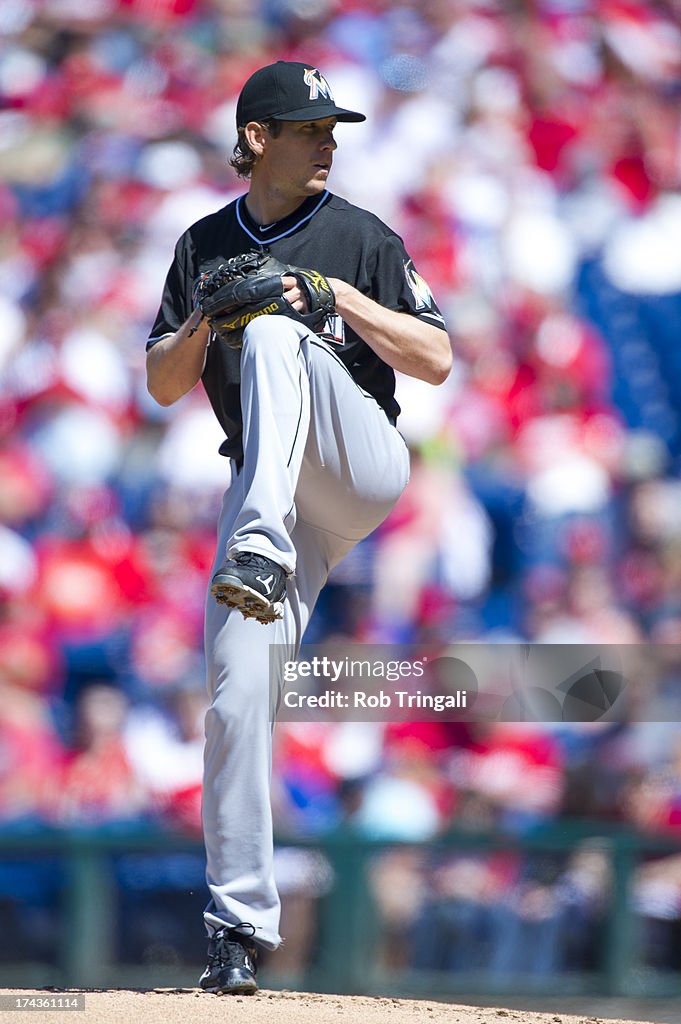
x: 294, y: 294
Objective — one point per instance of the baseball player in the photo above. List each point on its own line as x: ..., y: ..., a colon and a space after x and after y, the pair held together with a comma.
x: 316, y: 460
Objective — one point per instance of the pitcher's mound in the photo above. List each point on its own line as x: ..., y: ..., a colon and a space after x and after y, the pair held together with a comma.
x: 191, y: 1006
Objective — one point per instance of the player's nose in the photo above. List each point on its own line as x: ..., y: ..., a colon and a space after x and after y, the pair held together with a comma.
x: 328, y: 142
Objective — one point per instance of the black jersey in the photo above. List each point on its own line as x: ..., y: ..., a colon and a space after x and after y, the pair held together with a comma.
x: 326, y: 233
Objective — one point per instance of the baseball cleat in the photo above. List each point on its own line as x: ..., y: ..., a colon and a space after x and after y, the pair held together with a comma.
x: 232, y: 964
x: 252, y: 583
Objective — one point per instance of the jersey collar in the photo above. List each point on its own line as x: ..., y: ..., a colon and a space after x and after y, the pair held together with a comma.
x: 280, y: 228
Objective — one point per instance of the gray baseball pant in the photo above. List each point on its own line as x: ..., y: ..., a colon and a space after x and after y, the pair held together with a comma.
x: 323, y: 466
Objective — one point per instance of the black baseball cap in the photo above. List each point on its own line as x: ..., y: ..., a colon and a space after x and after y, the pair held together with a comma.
x: 289, y: 91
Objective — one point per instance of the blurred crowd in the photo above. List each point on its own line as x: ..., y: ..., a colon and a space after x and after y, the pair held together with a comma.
x: 529, y: 153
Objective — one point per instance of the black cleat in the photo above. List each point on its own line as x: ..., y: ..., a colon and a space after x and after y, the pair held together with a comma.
x: 252, y: 583
x: 232, y: 964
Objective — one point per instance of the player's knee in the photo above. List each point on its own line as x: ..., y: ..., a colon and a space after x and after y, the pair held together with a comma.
x: 269, y: 330
x: 233, y: 706
x: 223, y: 717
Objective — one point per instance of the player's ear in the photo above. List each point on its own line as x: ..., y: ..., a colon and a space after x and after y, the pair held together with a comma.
x: 256, y: 137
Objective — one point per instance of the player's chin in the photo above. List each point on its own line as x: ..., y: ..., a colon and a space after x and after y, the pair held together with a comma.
x: 313, y: 187
x: 319, y: 179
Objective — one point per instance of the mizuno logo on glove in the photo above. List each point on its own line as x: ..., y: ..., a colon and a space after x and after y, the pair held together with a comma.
x: 246, y: 318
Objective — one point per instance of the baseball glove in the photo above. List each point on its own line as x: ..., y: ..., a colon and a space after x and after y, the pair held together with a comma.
x: 250, y: 285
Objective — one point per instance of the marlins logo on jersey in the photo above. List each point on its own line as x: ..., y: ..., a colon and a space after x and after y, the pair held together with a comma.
x: 334, y: 330
x: 423, y: 297
x: 317, y: 84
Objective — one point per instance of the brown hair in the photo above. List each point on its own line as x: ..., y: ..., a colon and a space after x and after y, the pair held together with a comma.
x: 243, y: 158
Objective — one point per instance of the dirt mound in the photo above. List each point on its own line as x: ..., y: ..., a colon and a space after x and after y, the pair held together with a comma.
x: 179, y: 1006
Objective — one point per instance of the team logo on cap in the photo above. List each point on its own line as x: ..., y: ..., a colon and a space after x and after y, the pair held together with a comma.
x: 318, y: 85
x: 423, y: 297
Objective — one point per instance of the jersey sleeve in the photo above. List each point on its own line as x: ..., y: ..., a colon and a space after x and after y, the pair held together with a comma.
x: 396, y: 283
x: 176, y: 301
